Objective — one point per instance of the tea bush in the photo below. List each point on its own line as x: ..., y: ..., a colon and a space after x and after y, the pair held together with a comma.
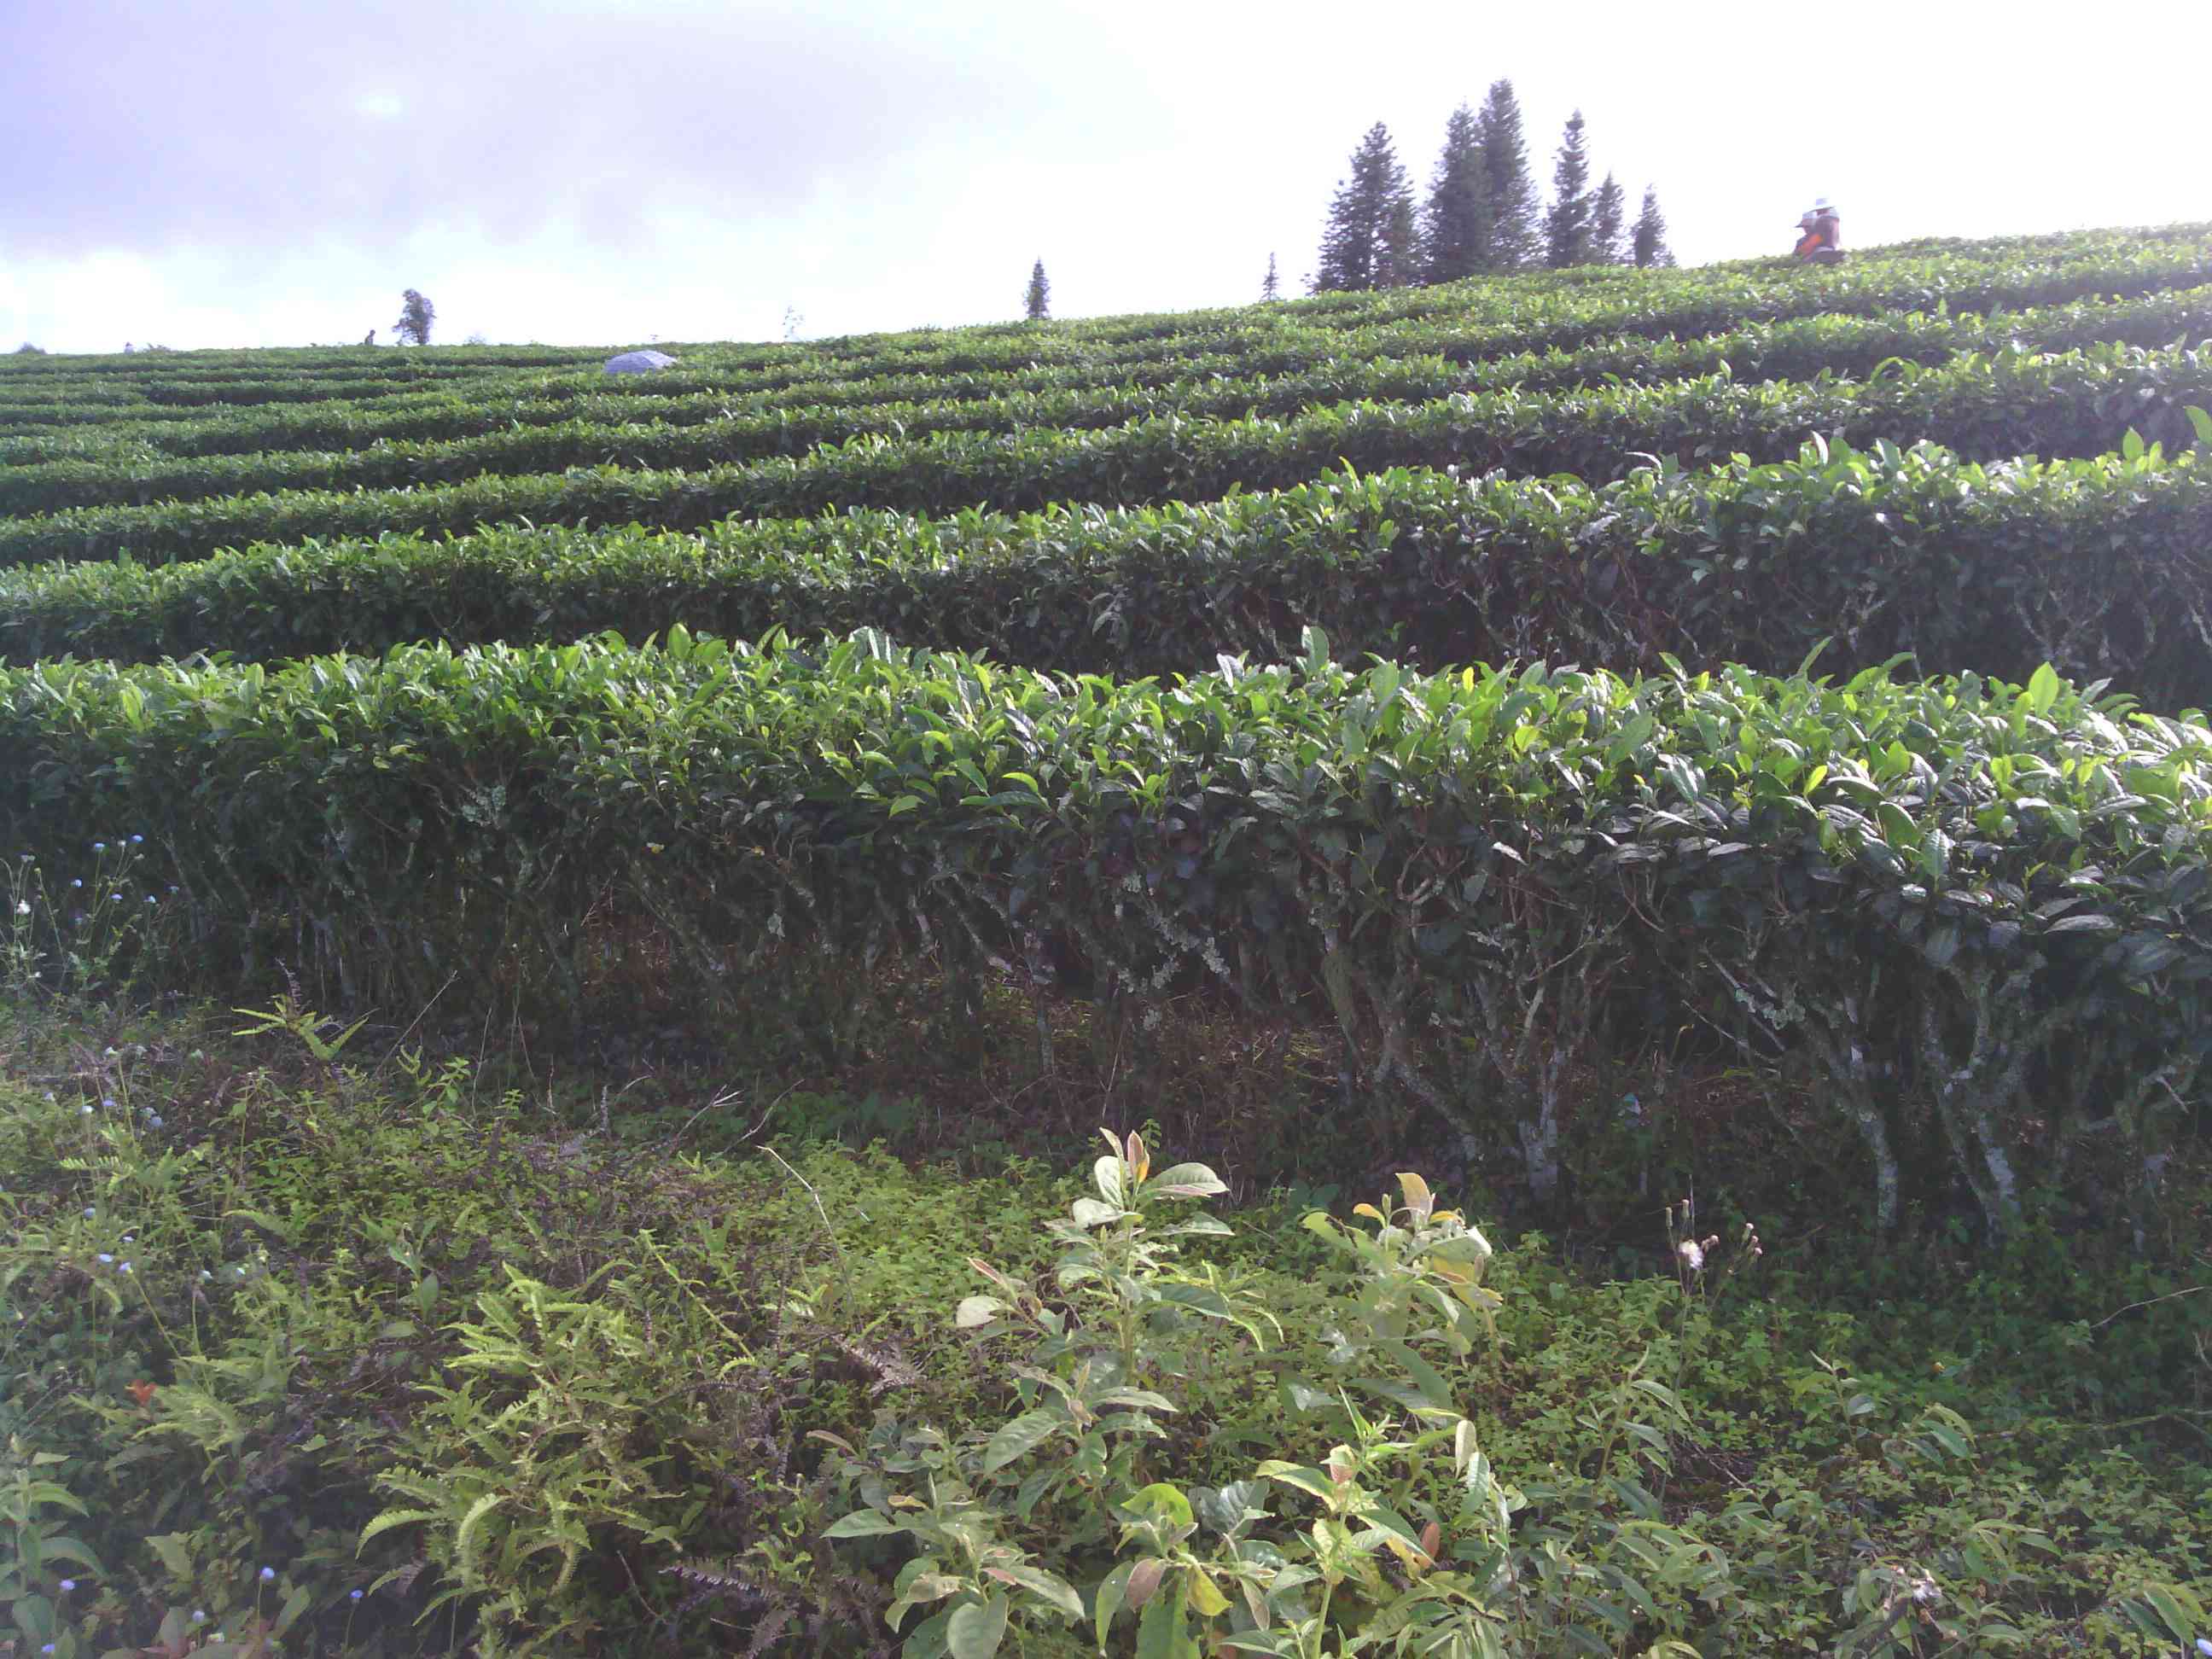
x: 2094, y: 566
x: 1266, y: 364
x: 2072, y: 403
x: 1912, y: 894
x: 1824, y: 346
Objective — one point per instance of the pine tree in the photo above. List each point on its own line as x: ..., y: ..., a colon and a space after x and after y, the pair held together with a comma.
x: 1609, y: 220
x: 417, y: 316
x: 1363, y: 218
x: 1567, y: 226
x: 1508, y: 191
x: 1271, y: 288
x: 1648, y: 241
x: 1458, y: 217
x: 1037, y: 304
x: 1401, y: 246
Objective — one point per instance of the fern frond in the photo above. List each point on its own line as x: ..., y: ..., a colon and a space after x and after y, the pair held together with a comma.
x: 724, y: 1572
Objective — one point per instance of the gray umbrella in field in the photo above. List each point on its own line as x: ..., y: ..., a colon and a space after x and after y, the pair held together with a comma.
x: 639, y: 362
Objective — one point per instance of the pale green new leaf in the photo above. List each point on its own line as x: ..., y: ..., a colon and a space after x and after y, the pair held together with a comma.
x: 974, y: 1631
x: 1303, y: 1476
x: 1107, y: 1174
x: 1111, y: 1589
x: 1051, y: 1587
x: 1021, y: 1435
x: 861, y: 1523
x: 975, y: 1310
x: 1184, y: 1181
x: 1160, y: 1632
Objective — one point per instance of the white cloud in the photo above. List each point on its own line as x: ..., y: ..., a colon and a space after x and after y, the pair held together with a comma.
x: 580, y: 171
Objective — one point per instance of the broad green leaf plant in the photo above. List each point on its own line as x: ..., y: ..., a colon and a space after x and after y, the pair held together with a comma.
x: 1399, y: 1539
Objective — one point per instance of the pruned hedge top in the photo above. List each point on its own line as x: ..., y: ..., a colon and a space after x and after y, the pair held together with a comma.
x: 1972, y: 792
x: 2072, y: 403
x: 2101, y: 566
x: 1822, y: 347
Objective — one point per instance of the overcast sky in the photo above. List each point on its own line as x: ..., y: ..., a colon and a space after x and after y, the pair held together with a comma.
x: 208, y: 173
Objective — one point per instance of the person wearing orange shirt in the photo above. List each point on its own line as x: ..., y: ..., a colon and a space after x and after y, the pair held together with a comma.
x: 1821, y: 233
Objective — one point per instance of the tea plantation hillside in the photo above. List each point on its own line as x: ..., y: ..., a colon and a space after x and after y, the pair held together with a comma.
x: 1705, y: 763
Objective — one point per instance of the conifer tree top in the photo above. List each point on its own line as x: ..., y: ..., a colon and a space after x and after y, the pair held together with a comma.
x: 1367, y: 241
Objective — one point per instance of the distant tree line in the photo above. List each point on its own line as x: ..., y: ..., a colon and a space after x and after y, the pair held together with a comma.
x: 1481, y: 214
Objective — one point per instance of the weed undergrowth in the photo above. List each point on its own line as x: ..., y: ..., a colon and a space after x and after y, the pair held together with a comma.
x: 304, y: 1352
x: 84, y: 926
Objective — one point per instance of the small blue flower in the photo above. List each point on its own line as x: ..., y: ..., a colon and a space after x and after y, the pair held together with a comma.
x: 205, y: 1274
x: 99, y: 847
x: 108, y: 1101
x: 268, y: 1574
x: 90, y: 1210
x: 49, y: 1648
x: 68, y: 1585
x: 118, y: 897
x: 124, y: 1268
x: 135, y: 840
x: 85, y: 1110
x: 106, y: 1260
x: 200, y: 1618
x: 76, y: 881
x: 353, y: 1595
x: 150, y: 899
x: 155, y: 1120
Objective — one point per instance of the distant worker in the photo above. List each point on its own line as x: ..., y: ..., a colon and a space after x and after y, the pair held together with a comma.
x: 1820, y: 234
x: 369, y: 338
